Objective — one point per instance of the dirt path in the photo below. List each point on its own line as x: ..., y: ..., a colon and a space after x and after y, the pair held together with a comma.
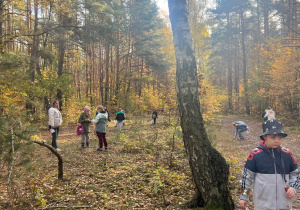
x: 292, y: 142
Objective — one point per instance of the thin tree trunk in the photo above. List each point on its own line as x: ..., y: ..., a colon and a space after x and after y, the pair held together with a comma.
x: 106, y: 74
x: 266, y: 18
x: 1, y: 25
x: 118, y: 63
x: 237, y: 74
x: 60, y: 67
x: 101, y: 72
x: 209, y: 169
x: 141, y: 78
x: 229, y: 67
x: 247, y: 105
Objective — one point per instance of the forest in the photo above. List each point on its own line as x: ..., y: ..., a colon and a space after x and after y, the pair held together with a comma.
x: 122, y: 54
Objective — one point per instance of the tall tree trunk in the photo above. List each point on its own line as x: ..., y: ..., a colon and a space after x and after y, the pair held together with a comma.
x: 229, y: 66
x: 62, y: 50
x: 86, y: 71
x: 141, y: 78
x: 101, y: 72
x: 295, y: 17
x: 118, y: 63
x: 1, y: 24
x: 111, y: 79
x: 34, y: 66
x: 78, y: 76
x: 92, y: 79
x: 266, y: 18
x: 247, y: 105
x: 258, y: 21
x: 209, y: 169
x: 106, y: 74
x: 237, y: 74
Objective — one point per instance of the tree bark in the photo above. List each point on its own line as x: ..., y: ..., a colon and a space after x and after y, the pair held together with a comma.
x: 209, y: 169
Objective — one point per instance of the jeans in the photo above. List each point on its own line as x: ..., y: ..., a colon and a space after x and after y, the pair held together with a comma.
x: 54, y: 137
x: 239, y: 131
x: 120, y: 124
x: 154, y: 121
x: 102, y: 139
x: 85, y: 138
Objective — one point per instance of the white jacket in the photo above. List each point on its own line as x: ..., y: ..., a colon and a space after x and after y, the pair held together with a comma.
x: 55, y: 118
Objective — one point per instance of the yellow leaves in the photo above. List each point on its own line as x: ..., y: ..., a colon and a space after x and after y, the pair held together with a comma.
x: 35, y: 137
x: 284, y: 74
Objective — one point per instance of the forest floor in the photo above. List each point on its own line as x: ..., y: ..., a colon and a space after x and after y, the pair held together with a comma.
x: 146, y: 167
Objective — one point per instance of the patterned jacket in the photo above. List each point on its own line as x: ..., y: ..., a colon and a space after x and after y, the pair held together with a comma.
x: 270, y: 171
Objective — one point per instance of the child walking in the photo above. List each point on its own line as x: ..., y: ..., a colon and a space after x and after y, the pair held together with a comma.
x: 85, y: 121
x: 100, y: 127
x: 273, y: 171
x: 120, y: 117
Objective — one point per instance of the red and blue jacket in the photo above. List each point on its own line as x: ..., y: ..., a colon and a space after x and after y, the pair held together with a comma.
x: 270, y: 171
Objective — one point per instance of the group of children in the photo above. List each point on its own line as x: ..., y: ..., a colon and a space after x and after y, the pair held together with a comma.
x: 100, y: 124
x: 270, y: 168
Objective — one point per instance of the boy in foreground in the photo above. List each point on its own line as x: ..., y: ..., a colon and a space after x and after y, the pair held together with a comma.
x: 273, y: 171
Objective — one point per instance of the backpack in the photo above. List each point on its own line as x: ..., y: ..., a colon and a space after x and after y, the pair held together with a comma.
x: 80, y: 130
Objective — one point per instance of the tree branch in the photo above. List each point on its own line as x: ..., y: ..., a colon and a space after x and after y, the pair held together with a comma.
x: 60, y: 160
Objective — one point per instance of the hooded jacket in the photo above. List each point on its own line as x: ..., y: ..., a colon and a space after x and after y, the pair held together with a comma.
x: 101, y: 122
x: 270, y: 170
x: 55, y: 118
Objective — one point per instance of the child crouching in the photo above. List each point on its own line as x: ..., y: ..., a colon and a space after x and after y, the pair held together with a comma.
x: 273, y: 171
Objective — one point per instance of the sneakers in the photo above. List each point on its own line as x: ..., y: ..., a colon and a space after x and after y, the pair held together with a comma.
x: 99, y: 150
x: 106, y: 148
x: 58, y: 150
x: 87, y: 144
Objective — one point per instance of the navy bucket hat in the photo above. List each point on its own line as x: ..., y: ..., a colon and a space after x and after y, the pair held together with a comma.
x: 272, y: 127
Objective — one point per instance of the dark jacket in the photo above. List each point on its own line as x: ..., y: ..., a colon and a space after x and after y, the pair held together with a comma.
x: 120, y: 116
x: 270, y: 170
x: 154, y: 115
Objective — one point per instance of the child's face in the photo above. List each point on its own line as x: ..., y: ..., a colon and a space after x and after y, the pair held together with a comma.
x: 86, y: 111
x: 273, y: 140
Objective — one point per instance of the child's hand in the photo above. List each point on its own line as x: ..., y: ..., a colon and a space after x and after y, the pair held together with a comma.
x: 243, y: 204
x: 290, y: 193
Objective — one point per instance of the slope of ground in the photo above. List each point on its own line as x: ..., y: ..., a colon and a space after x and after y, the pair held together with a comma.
x: 145, y: 167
